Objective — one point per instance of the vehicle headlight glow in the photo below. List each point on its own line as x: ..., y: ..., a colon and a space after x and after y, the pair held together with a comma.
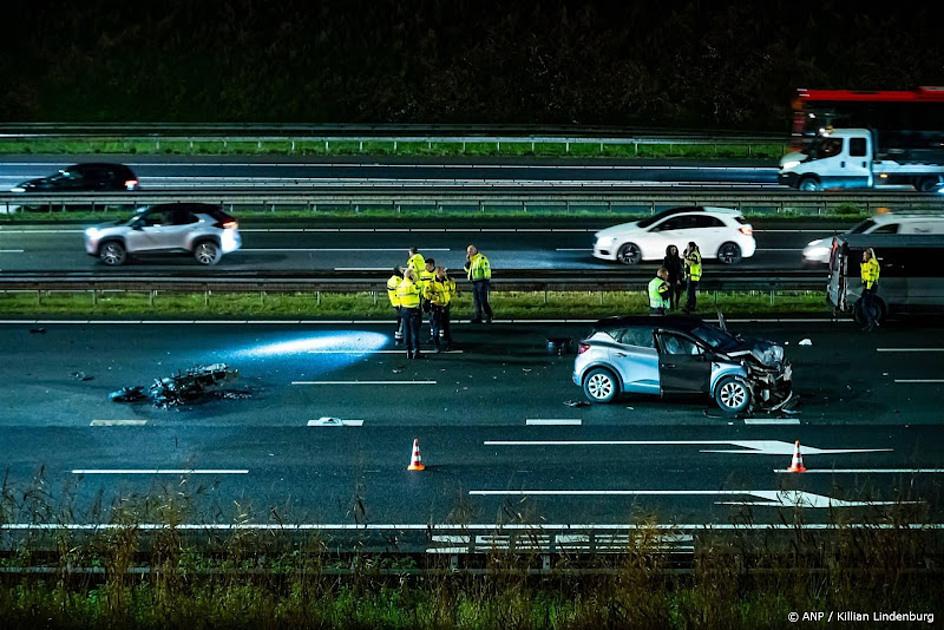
x: 335, y: 343
x: 790, y: 165
x: 91, y: 232
x: 17, y: 189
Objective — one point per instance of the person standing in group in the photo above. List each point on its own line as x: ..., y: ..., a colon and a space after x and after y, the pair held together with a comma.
x: 479, y: 272
x: 423, y: 278
x: 659, y: 291
x: 673, y: 263
x: 692, y: 256
x: 392, y: 284
x: 415, y: 261
x: 869, y: 272
x: 440, y: 291
x: 409, y: 295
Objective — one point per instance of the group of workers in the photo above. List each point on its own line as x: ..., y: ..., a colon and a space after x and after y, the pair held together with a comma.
x: 677, y: 272
x: 423, y: 287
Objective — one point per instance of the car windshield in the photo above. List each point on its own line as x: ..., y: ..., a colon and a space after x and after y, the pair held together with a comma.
x: 658, y: 217
x: 714, y: 337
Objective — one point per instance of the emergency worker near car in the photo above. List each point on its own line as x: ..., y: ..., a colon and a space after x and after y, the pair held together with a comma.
x: 415, y: 261
x: 479, y: 272
x: 676, y: 267
x: 392, y: 284
x: 408, y: 293
x: 658, y: 291
x: 692, y: 257
x: 440, y: 291
x: 869, y: 271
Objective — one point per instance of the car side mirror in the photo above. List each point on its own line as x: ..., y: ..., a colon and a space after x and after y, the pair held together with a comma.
x: 136, y: 226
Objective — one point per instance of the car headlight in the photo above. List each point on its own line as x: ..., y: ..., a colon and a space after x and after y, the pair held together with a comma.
x: 91, y: 232
x: 789, y: 165
x: 17, y: 189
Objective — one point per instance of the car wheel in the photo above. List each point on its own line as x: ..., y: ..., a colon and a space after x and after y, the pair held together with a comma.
x: 729, y: 253
x: 600, y: 386
x: 629, y: 254
x: 879, y: 313
x: 207, y: 253
x: 113, y: 253
x: 810, y: 184
x: 733, y: 395
x: 927, y: 184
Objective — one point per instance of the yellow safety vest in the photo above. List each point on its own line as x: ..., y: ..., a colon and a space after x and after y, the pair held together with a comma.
x: 479, y: 268
x: 424, y: 278
x: 658, y: 293
x: 440, y: 292
x: 408, y: 294
x: 693, y: 261
x: 417, y: 263
x: 392, y: 285
x: 870, y: 271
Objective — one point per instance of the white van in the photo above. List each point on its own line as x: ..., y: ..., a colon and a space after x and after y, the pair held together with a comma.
x: 891, y: 223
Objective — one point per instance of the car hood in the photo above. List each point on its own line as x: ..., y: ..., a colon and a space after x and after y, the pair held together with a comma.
x: 616, y: 230
x: 32, y: 183
x: 762, y: 351
x: 793, y: 156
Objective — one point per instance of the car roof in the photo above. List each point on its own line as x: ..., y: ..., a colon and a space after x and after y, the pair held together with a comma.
x: 906, y: 217
x: 191, y: 206
x: 861, y: 241
x: 678, y: 322
x: 96, y: 165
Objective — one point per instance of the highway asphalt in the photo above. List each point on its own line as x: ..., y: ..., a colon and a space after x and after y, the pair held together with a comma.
x: 158, y: 172
x: 326, y: 245
x: 500, y: 441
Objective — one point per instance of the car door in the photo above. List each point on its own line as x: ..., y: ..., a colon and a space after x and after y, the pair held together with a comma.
x: 707, y: 232
x: 684, y: 366
x: 149, y: 232
x: 672, y: 231
x: 636, y: 360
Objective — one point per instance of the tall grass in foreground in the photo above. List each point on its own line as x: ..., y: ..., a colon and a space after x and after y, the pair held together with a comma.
x: 126, y: 577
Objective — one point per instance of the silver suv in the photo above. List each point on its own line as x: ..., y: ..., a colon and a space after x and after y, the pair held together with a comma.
x: 199, y: 229
x: 682, y: 355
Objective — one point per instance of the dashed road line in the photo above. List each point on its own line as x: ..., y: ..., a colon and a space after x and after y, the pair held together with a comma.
x: 160, y: 471
x: 918, y: 380
x: 553, y: 422
x: 364, y: 382
x: 335, y: 422
x: 868, y: 471
x: 909, y: 349
x: 118, y: 423
x: 771, y: 421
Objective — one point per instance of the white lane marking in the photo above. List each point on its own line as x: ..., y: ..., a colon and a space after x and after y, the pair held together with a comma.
x: 751, y: 447
x: 909, y: 349
x: 553, y: 422
x: 11, y: 251
x: 362, y: 268
x: 904, y: 471
x: 117, y: 423
x: 512, y: 527
x: 771, y: 421
x: 331, y: 423
x: 39, y: 231
x: 346, y: 249
x: 574, y: 249
x: 768, y: 498
x: 374, y: 352
x: 363, y: 382
x: 919, y: 380
x: 160, y: 471
x: 778, y: 249
x: 801, y: 231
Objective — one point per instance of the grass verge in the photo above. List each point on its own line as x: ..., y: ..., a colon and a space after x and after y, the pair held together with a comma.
x: 366, y: 305
x: 343, y: 147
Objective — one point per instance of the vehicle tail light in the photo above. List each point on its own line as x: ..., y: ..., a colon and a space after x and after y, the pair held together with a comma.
x: 583, y: 348
x: 227, y: 224
x: 746, y: 230
x: 131, y: 183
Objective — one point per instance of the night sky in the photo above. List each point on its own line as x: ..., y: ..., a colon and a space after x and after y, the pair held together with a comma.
x: 685, y: 64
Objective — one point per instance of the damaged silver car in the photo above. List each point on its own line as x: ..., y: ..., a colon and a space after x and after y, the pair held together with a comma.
x: 671, y: 355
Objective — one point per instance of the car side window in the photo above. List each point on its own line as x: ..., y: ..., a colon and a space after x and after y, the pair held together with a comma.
x: 675, y: 223
x: 155, y: 218
x: 857, y: 147
x: 678, y: 345
x: 707, y: 221
x: 640, y: 337
x: 183, y: 217
x: 888, y: 228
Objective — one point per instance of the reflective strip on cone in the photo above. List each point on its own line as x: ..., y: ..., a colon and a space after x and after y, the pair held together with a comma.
x: 416, y: 461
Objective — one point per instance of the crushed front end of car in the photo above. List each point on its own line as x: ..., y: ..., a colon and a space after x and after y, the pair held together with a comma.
x: 769, y: 375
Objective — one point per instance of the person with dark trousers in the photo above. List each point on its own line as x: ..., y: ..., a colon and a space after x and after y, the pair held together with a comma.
x: 392, y: 283
x: 440, y: 291
x: 869, y: 272
x: 479, y: 272
x: 409, y: 295
x: 692, y: 257
x: 676, y: 267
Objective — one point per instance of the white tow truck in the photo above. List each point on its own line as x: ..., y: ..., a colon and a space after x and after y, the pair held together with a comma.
x: 862, y: 158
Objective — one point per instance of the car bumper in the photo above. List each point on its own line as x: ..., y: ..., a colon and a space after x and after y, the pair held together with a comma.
x: 604, y: 251
x: 230, y: 241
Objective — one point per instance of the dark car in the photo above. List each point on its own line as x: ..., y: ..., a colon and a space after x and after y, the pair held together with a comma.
x: 83, y: 178
x: 661, y: 355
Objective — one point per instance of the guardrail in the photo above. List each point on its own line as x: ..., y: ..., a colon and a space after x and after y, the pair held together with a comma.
x: 472, y: 198
x: 299, y: 136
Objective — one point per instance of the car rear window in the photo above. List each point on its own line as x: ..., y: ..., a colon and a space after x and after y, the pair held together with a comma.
x: 641, y: 337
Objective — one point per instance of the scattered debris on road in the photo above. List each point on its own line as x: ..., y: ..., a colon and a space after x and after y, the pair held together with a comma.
x: 185, y: 387
x: 806, y: 342
x: 82, y: 376
x: 576, y: 403
x: 37, y: 331
x: 559, y: 345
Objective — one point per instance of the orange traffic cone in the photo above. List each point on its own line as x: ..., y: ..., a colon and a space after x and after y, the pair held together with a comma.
x: 416, y: 461
x: 796, y: 466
